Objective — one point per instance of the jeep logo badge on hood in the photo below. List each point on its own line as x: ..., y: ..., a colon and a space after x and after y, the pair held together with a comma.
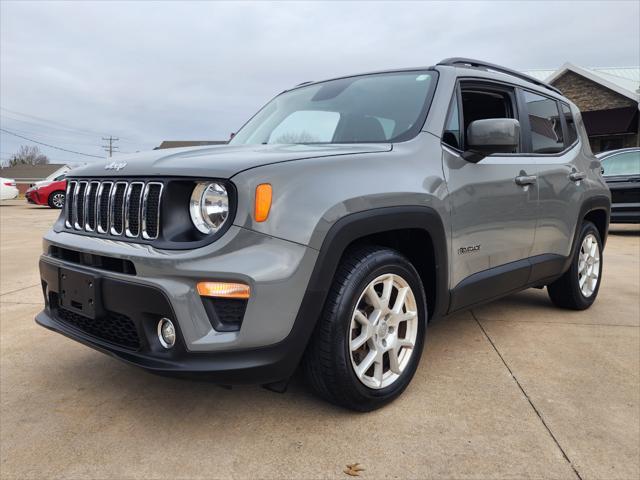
x: 117, y: 166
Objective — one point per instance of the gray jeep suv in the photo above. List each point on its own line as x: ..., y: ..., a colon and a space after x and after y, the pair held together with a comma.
x: 341, y: 219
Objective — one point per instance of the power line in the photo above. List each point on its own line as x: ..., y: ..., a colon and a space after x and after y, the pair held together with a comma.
x: 68, y: 127
x: 111, y: 147
x: 50, y: 146
x: 59, y: 131
x: 64, y: 137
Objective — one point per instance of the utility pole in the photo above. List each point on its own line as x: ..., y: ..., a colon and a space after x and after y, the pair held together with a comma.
x: 111, y: 147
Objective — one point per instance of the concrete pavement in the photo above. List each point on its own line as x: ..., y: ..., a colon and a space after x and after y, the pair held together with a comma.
x: 514, y: 389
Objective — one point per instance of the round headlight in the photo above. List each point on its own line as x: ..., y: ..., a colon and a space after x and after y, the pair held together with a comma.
x: 209, y: 206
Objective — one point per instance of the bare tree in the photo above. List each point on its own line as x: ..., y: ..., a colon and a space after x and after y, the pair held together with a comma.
x: 28, y: 155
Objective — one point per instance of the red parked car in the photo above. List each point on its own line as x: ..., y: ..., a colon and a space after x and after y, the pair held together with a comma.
x: 48, y: 193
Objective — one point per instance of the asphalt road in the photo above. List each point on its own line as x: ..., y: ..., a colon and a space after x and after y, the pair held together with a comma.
x: 514, y: 389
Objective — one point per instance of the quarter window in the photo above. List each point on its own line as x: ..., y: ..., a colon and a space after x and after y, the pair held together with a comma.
x: 545, y: 124
x: 451, y: 134
x: 572, y: 132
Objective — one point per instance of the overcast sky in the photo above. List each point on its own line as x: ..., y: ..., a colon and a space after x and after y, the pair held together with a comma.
x: 72, y: 72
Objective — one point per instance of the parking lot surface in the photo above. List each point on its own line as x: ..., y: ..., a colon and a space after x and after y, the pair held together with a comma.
x: 513, y: 389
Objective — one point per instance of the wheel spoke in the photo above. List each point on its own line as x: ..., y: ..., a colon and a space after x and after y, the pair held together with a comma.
x: 360, y: 340
x: 386, y: 291
x: 581, y: 265
x: 394, y: 364
x: 373, y: 297
x: 404, y: 342
x: 400, y: 299
x: 378, y: 370
x: 397, y: 319
x: 365, y: 365
x: 361, y: 319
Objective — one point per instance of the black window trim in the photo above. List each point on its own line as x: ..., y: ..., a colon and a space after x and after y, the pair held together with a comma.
x: 524, y: 124
x: 503, y: 87
x: 522, y: 118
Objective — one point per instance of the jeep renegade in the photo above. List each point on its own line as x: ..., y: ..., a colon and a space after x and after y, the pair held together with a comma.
x: 341, y: 219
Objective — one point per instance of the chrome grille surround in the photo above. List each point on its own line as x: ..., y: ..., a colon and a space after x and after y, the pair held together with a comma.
x: 114, y: 208
x: 151, y: 218
x: 132, y: 204
x: 117, y: 213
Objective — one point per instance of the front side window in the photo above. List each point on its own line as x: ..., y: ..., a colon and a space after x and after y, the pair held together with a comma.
x: 572, y: 132
x: 545, y: 124
x: 627, y: 163
x: 386, y: 107
x: 480, y: 103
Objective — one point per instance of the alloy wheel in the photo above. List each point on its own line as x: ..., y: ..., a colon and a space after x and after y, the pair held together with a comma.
x: 589, y: 265
x: 58, y: 200
x: 383, y: 331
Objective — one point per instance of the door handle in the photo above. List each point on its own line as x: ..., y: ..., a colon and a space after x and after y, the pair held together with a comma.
x: 524, y: 180
x: 577, y: 176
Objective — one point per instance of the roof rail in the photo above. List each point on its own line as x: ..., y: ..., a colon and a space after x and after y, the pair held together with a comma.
x: 304, y: 83
x: 471, y: 63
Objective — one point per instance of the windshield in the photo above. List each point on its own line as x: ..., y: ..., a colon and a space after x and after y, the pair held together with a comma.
x: 627, y: 163
x: 384, y: 107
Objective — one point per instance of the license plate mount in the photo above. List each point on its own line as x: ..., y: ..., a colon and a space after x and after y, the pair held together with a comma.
x: 78, y: 291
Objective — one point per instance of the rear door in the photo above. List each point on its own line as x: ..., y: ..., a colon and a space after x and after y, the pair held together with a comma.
x: 493, y: 202
x: 551, y: 136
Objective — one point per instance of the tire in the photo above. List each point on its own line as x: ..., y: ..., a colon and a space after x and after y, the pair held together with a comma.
x: 330, y: 364
x: 567, y: 291
x: 54, y: 199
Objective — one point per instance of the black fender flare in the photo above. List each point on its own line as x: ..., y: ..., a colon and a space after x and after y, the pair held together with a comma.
x: 344, y: 232
x: 591, y: 204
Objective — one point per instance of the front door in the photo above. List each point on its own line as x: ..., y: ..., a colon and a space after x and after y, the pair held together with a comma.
x: 493, y: 202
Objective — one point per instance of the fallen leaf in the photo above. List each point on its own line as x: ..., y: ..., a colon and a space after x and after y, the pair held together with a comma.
x: 353, y: 470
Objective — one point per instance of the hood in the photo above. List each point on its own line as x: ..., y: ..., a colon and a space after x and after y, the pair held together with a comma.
x: 219, y: 161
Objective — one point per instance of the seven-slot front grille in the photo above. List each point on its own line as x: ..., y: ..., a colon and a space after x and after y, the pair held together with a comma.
x: 117, y: 208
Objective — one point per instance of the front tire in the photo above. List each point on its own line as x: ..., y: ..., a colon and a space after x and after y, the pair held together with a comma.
x: 369, y: 339
x: 56, y: 199
x: 578, y: 288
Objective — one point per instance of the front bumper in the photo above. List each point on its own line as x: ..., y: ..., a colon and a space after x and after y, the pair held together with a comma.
x: 265, y: 349
x: 33, y: 197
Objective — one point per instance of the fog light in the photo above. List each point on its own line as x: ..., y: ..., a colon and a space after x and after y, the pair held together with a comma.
x: 166, y: 333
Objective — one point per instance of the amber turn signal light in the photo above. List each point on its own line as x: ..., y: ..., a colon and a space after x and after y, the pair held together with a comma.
x: 264, y: 193
x: 223, y: 290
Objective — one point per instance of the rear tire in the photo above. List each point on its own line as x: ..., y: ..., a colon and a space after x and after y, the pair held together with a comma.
x: 578, y: 288
x: 364, y: 351
x: 56, y: 199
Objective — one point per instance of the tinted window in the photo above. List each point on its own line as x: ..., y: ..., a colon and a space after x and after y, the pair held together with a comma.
x: 572, y: 133
x: 451, y: 134
x: 544, y: 119
x: 366, y: 108
x: 627, y: 163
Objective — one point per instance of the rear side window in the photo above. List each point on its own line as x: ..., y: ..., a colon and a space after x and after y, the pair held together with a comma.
x: 627, y: 163
x: 572, y: 133
x: 545, y: 124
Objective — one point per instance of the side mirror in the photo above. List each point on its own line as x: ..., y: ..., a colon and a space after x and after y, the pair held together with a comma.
x: 492, y: 135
